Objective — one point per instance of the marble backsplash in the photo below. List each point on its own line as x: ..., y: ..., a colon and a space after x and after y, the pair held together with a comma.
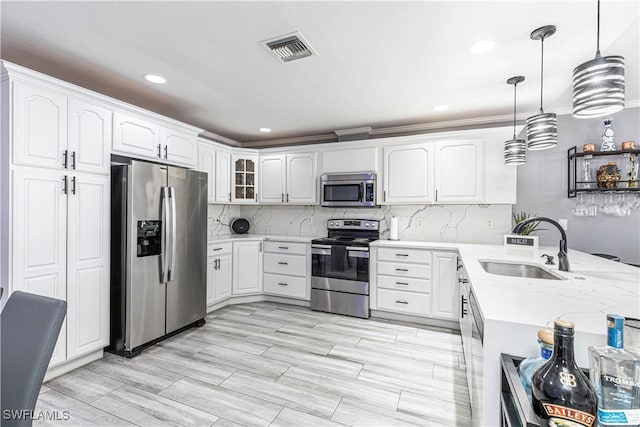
x: 438, y: 223
x: 219, y: 219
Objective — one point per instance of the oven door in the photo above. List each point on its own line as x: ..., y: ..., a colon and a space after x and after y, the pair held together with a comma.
x: 340, y: 262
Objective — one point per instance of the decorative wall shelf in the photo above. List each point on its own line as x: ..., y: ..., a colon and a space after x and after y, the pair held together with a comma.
x: 577, y: 164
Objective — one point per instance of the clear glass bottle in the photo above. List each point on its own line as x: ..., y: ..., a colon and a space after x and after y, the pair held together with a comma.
x: 607, y: 137
x: 632, y: 335
x: 586, y: 172
x: 561, y: 394
x: 530, y: 365
x: 615, y: 373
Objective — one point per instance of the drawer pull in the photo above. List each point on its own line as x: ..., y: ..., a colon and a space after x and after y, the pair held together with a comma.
x: 401, y: 302
x: 401, y: 269
x: 402, y: 254
x: 283, y: 247
x: 283, y: 284
x: 283, y: 263
x: 402, y: 283
x: 217, y: 249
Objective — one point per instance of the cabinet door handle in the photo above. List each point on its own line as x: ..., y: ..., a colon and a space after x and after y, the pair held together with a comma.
x: 283, y: 284
x: 73, y: 160
x: 402, y: 254
x: 401, y: 269
x: 73, y: 185
x: 283, y: 247
x: 282, y: 197
x: 436, y: 195
x: 384, y: 196
x: 229, y: 196
x: 64, y: 184
x: 402, y: 283
x: 166, y: 151
x: 287, y: 197
x: 283, y: 263
x: 159, y: 151
x: 65, y: 155
x: 401, y: 302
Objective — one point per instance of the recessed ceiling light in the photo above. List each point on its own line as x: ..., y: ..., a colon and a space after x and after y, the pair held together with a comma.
x: 441, y: 107
x: 153, y: 78
x: 265, y: 130
x: 483, y: 46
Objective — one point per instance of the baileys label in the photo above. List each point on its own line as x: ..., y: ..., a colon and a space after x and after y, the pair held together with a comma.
x: 563, y: 416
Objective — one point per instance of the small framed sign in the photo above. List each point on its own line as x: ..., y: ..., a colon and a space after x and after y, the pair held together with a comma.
x: 518, y: 241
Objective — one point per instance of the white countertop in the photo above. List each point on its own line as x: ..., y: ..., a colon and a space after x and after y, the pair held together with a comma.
x: 594, y: 286
x: 223, y: 238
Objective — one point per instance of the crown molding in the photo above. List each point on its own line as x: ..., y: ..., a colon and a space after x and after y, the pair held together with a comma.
x: 219, y: 138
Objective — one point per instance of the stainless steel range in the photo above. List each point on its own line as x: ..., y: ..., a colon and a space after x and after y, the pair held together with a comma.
x: 340, y: 267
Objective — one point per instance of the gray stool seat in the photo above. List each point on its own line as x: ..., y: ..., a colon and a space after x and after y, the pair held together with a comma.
x: 30, y: 325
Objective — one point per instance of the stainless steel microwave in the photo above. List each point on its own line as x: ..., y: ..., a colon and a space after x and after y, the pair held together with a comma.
x: 349, y: 190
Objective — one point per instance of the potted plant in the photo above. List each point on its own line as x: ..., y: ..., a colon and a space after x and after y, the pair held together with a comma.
x: 529, y: 228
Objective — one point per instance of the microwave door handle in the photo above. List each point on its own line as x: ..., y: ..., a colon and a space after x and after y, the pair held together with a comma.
x: 164, y: 259
x: 361, y: 192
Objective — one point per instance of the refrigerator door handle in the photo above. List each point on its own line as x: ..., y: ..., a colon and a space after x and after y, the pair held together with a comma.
x: 164, y: 197
x: 172, y: 200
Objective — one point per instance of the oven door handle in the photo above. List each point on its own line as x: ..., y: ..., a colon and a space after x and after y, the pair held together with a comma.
x: 358, y: 254
x: 320, y: 251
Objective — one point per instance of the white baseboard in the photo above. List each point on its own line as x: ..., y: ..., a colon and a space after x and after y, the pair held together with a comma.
x: 440, y: 323
x: 73, y: 364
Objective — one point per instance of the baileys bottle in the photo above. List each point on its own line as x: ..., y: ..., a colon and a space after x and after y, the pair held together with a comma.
x: 561, y: 394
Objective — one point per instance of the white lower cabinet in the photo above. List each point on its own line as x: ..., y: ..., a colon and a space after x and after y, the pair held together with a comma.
x: 60, y: 249
x: 286, y: 269
x: 445, y: 286
x: 247, y: 268
x: 219, y: 272
x: 414, y: 281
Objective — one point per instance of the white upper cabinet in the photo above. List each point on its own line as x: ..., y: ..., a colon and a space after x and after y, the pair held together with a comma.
x: 179, y: 147
x: 408, y: 174
x: 273, y: 171
x: 223, y: 176
x: 39, y: 126
x: 244, y: 178
x: 89, y: 144
x: 459, y: 171
x: 350, y: 160
x: 288, y: 179
x: 302, y: 182
x: 207, y: 164
x: 136, y: 136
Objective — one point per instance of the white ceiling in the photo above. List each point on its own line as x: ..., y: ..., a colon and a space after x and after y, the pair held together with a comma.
x: 379, y: 63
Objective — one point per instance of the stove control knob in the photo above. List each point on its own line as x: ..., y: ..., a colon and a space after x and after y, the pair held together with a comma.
x: 367, y: 224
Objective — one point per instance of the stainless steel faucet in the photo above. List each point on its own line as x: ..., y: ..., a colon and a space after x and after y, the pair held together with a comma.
x: 563, y: 261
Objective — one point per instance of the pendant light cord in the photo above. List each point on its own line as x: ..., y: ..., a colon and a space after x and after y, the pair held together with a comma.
x: 542, y: 74
x: 598, y: 33
x: 515, y: 86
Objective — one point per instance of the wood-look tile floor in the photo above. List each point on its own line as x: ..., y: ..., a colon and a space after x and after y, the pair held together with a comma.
x: 268, y: 364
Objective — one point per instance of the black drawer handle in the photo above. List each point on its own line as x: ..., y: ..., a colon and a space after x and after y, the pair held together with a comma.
x: 402, y: 283
x: 283, y: 247
x: 401, y: 269
x: 401, y: 302
x: 402, y: 254
x: 283, y: 263
x: 283, y: 284
x: 217, y: 249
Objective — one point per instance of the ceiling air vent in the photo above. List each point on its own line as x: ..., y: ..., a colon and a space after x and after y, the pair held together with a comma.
x: 289, y: 47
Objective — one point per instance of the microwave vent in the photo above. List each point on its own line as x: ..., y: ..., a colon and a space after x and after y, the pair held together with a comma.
x: 289, y: 47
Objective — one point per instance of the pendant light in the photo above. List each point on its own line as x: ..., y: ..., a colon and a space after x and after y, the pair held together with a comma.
x: 515, y: 150
x: 542, y: 129
x: 598, y: 85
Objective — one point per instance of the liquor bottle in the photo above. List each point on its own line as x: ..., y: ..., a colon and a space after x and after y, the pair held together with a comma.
x: 615, y: 373
x: 561, y: 393
x: 607, y: 136
x: 530, y: 365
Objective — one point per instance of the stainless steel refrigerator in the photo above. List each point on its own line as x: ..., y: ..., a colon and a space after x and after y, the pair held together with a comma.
x: 158, y: 252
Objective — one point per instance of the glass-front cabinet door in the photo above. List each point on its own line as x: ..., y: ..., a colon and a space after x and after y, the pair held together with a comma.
x: 245, y: 179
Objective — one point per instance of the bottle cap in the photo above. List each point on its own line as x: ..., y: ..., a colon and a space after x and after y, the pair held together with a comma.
x: 546, y: 336
x: 615, y: 325
x: 564, y: 323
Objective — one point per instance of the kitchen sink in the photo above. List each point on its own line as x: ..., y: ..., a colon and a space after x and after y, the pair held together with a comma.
x: 515, y: 269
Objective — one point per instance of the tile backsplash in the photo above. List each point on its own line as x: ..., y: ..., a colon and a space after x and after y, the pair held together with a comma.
x: 439, y: 223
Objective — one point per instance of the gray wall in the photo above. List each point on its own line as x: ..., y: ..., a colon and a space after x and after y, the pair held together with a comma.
x: 542, y: 189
